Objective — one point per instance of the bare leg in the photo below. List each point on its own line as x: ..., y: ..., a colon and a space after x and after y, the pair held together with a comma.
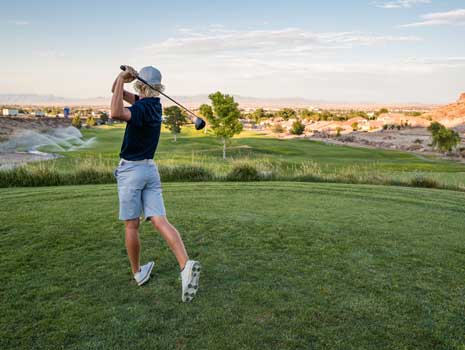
x: 172, y: 237
x: 133, y: 243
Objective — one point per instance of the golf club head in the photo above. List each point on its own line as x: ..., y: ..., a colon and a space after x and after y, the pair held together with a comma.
x: 199, y: 124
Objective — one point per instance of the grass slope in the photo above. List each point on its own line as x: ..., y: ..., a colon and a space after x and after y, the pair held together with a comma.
x: 286, y: 266
x: 255, y: 145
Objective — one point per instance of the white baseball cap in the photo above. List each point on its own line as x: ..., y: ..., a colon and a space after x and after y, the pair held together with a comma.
x: 151, y: 75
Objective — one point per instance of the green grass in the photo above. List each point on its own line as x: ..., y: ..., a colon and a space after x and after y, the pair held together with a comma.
x: 286, y: 266
x: 288, y: 160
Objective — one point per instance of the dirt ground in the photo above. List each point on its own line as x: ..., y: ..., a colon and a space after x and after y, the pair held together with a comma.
x: 10, y: 125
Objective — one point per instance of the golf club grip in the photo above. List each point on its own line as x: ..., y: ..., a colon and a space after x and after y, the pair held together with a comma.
x: 123, y: 68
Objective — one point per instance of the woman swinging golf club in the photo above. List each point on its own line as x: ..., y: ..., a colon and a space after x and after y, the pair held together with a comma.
x: 139, y: 187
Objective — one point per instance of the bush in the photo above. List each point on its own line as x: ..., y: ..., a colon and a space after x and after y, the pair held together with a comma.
x: 76, y: 121
x: 277, y: 128
x: 297, y: 128
x: 91, y: 121
x: 185, y: 173
x: 420, y: 180
x: 418, y: 141
x: 243, y: 172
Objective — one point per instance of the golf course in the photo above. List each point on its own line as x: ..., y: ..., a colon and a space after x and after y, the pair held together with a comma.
x: 285, y: 266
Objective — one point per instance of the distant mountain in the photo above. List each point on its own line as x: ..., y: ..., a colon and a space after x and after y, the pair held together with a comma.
x: 196, y: 100
x: 42, y: 100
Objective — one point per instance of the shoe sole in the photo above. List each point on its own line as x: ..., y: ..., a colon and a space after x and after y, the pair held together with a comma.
x: 193, y: 285
x: 147, y: 277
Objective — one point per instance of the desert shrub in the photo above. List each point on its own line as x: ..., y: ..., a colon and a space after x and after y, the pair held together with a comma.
x: 277, y: 128
x: 297, y: 128
x: 243, y: 172
x: 418, y: 141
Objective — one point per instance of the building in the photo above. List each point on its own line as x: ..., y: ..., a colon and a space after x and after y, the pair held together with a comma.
x: 8, y: 112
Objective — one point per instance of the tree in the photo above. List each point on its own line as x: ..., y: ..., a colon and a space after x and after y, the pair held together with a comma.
x: 286, y: 113
x: 104, y: 117
x: 175, y: 118
x: 354, y: 126
x: 258, y: 115
x: 381, y: 111
x: 338, y: 131
x: 297, y: 128
x: 207, y: 113
x: 445, y: 140
x: 225, y: 119
x: 76, y: 121
x: 434, y: 128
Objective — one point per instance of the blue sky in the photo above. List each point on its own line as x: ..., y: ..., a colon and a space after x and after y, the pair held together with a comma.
x: 357, y: 51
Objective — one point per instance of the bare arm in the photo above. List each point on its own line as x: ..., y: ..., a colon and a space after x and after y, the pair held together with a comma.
x: 118, y: 111
x: 127, y: 96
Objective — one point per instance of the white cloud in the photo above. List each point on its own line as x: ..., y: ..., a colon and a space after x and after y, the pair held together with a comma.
x: 284, y: 42
x: 456, y: 17
x: 395, y: 4
x: 18, y: 22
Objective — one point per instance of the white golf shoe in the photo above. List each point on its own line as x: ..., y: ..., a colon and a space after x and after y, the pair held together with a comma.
x: 190, y: 276
x: 143, y: 275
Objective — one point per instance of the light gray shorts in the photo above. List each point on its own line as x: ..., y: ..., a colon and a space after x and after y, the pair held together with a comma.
x: 139, y: 189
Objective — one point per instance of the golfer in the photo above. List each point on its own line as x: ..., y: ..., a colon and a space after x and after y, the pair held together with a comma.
x: 139, y: 187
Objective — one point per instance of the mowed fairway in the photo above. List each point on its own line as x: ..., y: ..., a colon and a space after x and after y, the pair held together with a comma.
x: 285, y: 266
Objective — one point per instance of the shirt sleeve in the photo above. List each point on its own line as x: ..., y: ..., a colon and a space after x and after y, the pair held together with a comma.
x: 137, y: 116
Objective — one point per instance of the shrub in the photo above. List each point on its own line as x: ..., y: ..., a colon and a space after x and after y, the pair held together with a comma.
x: 277, y: 128
x: 420, y: 180
x: 418, y: 141
x: 76, y: 121
x: 185, y: 173
x: 243, y: 172
x: 297, y: 128
x: 91, y: 121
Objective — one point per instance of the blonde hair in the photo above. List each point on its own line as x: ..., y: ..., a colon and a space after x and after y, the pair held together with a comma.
x: 145, y: 91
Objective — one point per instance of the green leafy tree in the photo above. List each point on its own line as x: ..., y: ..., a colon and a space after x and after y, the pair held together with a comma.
x: 174, y: 119
x: 207, y: 113
x: 434, y: 128
x: 76, y: 121
x: 286, y: 113
x: 445, y: 140
x: 298, y: 128
x: 104, y: 117
x: 381, y: 111
x: 258, y: 115
x: 338, y: 131
x: 354, y: 126
x: 223, y: 117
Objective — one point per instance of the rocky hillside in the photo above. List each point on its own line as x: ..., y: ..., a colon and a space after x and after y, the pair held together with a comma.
x: 451, y: 115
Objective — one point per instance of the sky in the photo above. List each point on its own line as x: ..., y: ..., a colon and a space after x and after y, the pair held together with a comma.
x: 385, y: 51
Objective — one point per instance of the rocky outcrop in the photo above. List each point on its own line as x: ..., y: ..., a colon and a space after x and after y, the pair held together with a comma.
x: 451, y: 115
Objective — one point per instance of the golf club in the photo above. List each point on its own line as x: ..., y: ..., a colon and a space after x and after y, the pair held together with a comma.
x: 198, y: 122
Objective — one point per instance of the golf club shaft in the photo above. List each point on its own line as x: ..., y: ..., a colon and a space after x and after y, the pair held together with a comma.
x: 169, y: 98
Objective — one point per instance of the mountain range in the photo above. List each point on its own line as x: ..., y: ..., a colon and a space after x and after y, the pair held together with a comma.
x: 196, y: 100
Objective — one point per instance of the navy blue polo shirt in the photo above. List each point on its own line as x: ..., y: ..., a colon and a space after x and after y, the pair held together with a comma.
x: 142, y: 130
